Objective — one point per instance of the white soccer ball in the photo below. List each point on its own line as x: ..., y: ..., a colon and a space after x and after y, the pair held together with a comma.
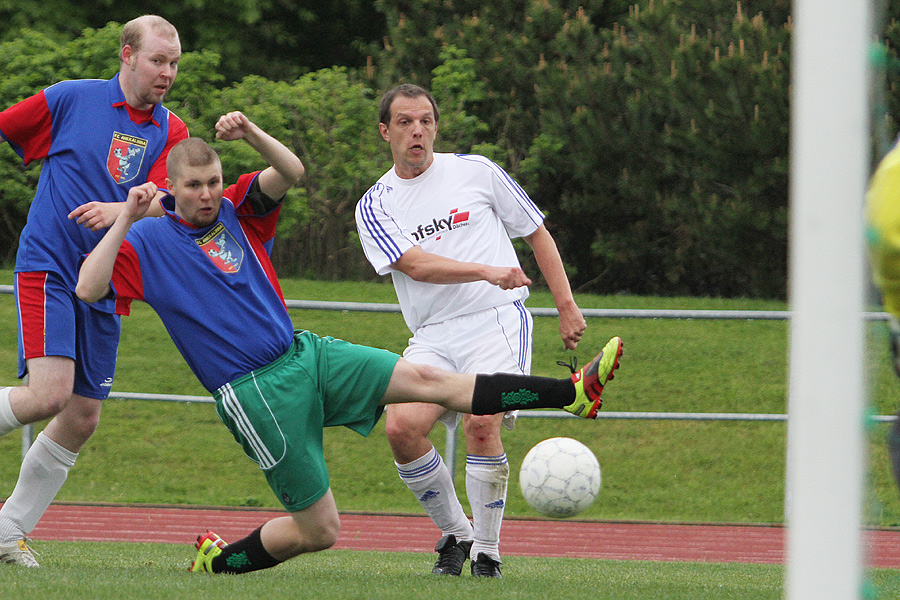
x: 560, y: 477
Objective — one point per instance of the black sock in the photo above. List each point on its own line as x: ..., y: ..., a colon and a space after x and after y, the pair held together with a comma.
x: 502, y: 392
x: 244, y: 556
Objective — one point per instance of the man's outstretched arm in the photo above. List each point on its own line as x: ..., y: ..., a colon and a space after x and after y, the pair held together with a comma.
x: 97, y: 269
x: 285, y: 168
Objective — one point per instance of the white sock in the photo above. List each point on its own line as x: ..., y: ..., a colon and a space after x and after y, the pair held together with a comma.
x: 429, y: 479
x: 8, y: 420
x: 44, y: 470
x: 487, y: 478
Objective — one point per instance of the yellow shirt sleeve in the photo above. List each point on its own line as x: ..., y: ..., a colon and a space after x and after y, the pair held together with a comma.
x: 883, y: 231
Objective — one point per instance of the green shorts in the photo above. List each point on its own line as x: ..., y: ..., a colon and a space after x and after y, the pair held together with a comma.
x: 278, y: 412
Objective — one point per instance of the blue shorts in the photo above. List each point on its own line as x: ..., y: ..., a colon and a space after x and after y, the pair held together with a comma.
x: 54, y: 322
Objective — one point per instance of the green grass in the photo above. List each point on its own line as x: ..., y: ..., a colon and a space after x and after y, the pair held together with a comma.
x: 86, y: 571
x: 652, y: 470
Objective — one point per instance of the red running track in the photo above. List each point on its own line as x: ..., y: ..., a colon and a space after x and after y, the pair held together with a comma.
x: 359, y: 531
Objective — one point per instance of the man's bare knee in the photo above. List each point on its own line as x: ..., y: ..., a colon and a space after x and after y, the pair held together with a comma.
x: 483, y: 429
x: 326, y: 535
x: 75, y: 424
x: 314, y: 537
x: 404, y: 428
x: 398, y: 436
x: 84, y: 425
x: 311, y: 529
x: 47, y: 402
x: 48, y: 389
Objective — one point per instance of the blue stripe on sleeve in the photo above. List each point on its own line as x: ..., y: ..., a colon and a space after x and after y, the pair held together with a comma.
x: 520, y: 194
x: 375, y: 229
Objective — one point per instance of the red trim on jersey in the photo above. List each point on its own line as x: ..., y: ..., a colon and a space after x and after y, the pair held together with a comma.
x: 26, y: 125
x: 126, y: 278
x: 177, y: 132
x: 263, y: 226
x: 260, y: 251
x: 31, y: 288
x: 237, y: 194
x: 258, y: 229
x: 138, y: 116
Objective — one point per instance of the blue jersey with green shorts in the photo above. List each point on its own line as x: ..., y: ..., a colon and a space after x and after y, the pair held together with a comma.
x: 216, y: 292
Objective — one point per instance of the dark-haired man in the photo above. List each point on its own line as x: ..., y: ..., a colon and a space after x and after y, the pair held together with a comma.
x: 440, y: 224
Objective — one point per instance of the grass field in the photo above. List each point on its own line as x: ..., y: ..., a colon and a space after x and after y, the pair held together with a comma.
x: 652, y: 470
x: 103, y: 570
x: 88, y: 571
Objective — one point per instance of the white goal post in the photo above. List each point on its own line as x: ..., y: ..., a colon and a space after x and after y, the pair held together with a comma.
x: 830, y: 152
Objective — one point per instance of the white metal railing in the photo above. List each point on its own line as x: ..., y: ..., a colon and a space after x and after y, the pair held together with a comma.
x: 607, y: 313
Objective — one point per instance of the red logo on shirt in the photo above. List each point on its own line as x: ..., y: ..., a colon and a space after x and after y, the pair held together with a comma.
x: 126, y: 153
x: 222, y: 249
x: 439, y: 226
x: 459, y: 217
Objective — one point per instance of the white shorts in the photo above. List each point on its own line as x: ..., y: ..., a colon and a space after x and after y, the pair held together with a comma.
x: 496, y: 340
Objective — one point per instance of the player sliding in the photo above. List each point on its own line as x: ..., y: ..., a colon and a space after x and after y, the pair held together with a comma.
x: 205, y: 270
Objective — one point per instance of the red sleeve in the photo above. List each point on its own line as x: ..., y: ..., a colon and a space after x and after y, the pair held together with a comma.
x: 26, y: 126
x: 258, y: 216
x: 256, y: 211
x: 237, y: 193
x: 262, y: 253
x: 177, y: 132
x: 126, y: 279
x: 263, y: 227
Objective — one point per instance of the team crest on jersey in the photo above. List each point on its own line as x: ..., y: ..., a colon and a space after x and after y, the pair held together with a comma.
x: 222, y: 249
x: 126, y: 153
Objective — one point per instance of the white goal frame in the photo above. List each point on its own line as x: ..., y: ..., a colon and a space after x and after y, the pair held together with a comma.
x: 826, y: 458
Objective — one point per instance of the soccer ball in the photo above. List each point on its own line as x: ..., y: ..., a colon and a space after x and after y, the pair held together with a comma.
x: 560, y: 477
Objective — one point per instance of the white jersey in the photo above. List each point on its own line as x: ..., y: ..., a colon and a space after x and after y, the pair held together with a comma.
x: 463, y: 207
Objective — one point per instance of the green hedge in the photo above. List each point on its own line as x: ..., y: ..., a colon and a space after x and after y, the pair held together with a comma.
x: 654, y: 135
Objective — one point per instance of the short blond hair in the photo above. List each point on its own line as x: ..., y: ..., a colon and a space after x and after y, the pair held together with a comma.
x: 189, y: 152
x: 134, y: 30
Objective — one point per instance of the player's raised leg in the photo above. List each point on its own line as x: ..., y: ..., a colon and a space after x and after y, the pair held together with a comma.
x: 590, y: 380
x: 500, y: 392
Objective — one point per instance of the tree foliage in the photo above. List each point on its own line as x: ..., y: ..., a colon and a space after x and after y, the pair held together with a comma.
x: 681, y: 135
x: 330, y: 120
x: 277, y: 39
x: 653, y: 133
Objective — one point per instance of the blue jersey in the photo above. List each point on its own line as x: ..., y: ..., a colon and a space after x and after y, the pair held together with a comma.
x: 94, y: 149
x: 214, y: 288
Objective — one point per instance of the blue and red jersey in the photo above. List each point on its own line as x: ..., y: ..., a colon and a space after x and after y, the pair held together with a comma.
x: 214, y: 288
x: 94, y: 148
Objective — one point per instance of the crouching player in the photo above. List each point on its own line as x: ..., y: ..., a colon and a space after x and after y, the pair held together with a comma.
x: 205, y: 269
